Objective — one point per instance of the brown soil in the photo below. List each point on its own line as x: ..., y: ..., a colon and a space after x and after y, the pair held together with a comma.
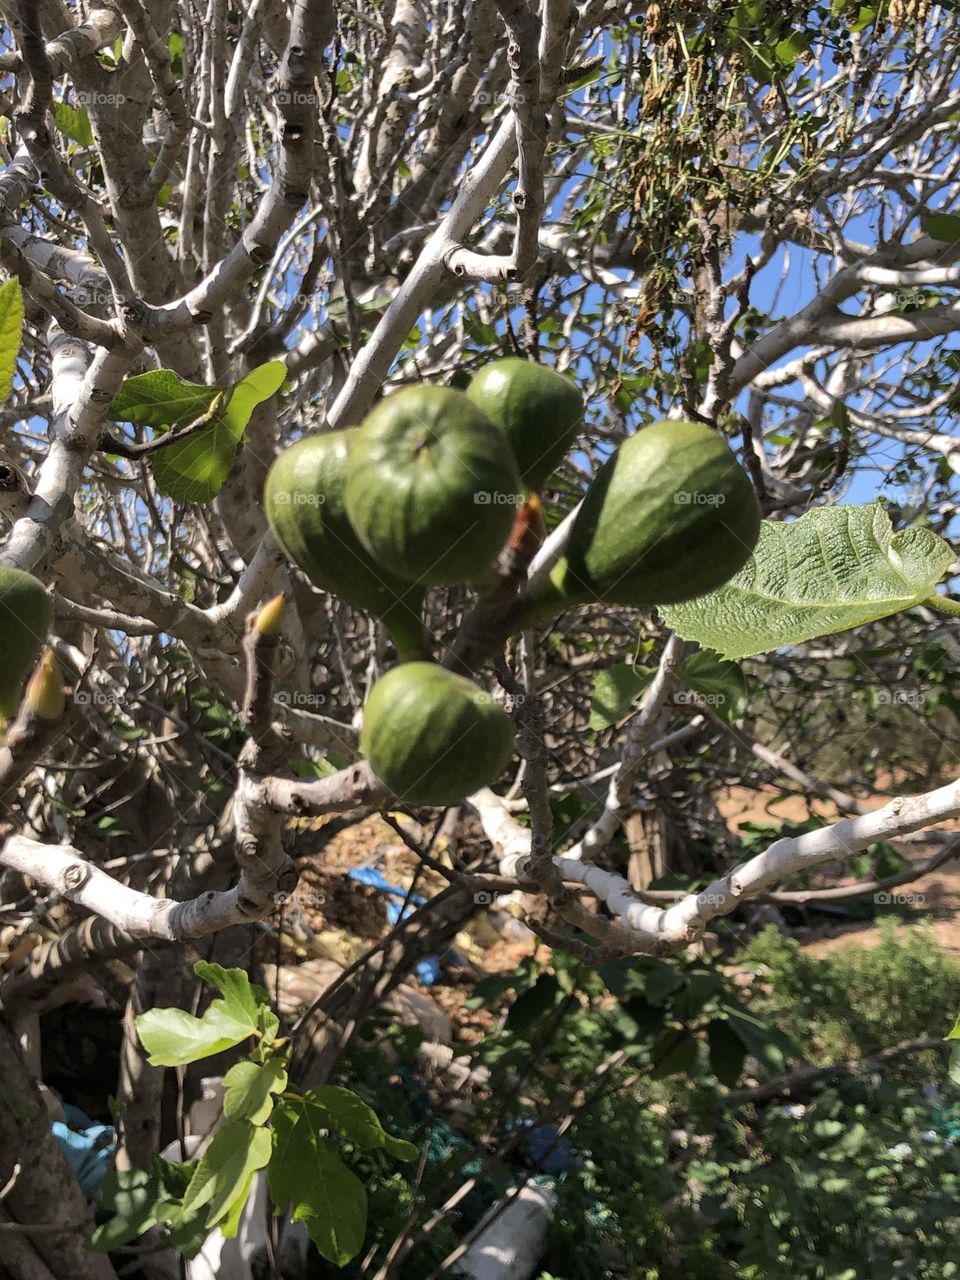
x: 332, y: 903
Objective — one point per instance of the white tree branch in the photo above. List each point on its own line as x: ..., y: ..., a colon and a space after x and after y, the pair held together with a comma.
x: 657, y: 928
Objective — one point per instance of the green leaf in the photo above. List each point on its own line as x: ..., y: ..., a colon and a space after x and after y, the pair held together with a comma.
x: 195, y: 469
x: 865, y: 17
x: 249, y: 1088
x: 673, y: 1054
x: 354, y: 1120
x: 662, y: 982
x: 532, y: 1005
x: 161, y: 400
x: 174, y: 1176
x: 173, y: 1037
x: 833, y: 569
x: 943, y: 226
x: 230, y: 1224
x: 581, y: 81
x: 259, y: 385
x: 11, y: 332
x: 132, y: 1195
x: 718, y: 684
x: 236, y: 1151
x: 614, y: 691
x: 306, y: 1173
x: 268, y: 1025
x: 242, y: 999
x: 187, y: 1231
x: 727, y: 1052
x: 73, y: 123
x: 765, y: 1043
x: 788, y: 50
x: 281, y: 1178
x: 954, y: 1033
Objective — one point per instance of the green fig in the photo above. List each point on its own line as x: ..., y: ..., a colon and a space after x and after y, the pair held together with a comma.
x: 25, y: 616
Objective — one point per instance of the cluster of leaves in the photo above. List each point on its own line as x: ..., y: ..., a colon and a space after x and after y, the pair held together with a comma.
x: 862, y: 1182
x: 652, y: 1183
x: 656, y: 1182
x: 718, y: 683
x: 295, y: 1137
x: 856, y: 1001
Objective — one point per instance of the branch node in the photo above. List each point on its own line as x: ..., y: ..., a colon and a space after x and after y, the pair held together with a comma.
x: 74, y: 876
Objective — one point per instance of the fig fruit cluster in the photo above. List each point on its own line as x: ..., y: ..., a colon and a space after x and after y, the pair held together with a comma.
x: 424, y: 494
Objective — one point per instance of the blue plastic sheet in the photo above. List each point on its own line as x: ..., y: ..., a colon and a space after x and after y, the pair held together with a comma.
x: 88, y: 1147
x: 427, y: 969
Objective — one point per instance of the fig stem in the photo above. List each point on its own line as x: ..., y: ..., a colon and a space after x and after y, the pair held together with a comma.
x: 944, y: 604
x: 410, y: 637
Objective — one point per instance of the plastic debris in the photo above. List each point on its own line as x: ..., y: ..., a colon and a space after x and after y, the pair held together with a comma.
x: 89, y: 1147
x: 427, y: 969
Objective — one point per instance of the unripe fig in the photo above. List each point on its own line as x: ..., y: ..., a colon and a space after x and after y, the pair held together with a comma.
x: 25, y: 616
